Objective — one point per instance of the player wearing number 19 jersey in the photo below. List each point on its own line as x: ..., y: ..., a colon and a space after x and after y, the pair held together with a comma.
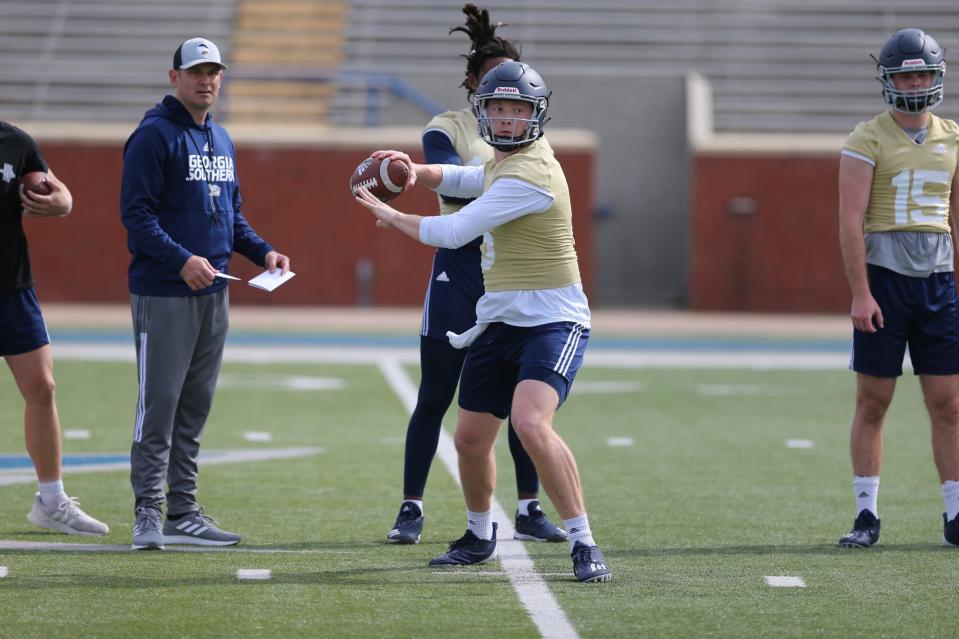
x: 897, y: 174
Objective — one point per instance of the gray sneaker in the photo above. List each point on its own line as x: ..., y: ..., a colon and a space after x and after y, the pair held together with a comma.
x: 146, y: 530
x: 197, y: 529
x: 65, y: 516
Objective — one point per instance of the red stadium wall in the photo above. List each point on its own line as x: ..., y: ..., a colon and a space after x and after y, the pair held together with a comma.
x: 765, y: 233
x: 296, y: 197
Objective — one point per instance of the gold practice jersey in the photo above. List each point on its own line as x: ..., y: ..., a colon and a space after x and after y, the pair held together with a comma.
x: 462, y: 130
x: 535, y: 251
x: 911, y: 183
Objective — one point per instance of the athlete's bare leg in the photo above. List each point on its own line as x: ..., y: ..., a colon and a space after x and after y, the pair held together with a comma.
x: 873, y: 396
x: 474, y: 438
x: 534, y: 404
x: 33, y: 373
x: 941, y: 394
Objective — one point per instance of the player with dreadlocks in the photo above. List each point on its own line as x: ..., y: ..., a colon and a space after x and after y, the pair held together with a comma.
x: 455, y: 285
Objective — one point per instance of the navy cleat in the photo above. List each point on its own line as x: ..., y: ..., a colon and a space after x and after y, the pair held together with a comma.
x: 589, y: 565
x: 468, y: 550
x: 950, y: 531
x: 408, y: 526
x: 864, y: 533
x: 536, y: 526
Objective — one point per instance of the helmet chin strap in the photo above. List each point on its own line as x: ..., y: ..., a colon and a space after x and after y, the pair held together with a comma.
x: 499, y: 143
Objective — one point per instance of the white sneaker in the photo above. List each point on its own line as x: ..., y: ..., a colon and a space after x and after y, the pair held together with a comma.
x: 65, y: 516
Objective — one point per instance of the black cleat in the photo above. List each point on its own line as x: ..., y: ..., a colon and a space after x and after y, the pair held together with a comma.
x: 408, y: 526
x: 864, y: 533
x: 467, y: 550
x: 589, y: 565
x: 950, y: 531
x: 536, y: 526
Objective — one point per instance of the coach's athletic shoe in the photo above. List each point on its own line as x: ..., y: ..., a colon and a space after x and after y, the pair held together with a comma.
x: 146, y: 529
x: 536, y: 526
x: 65, y: 516
x: 589, y: 565
x: 197, y: 529
x: 468, y: 549
x: 408, y: 526
x: 950, y: 531
x: 864, y: 533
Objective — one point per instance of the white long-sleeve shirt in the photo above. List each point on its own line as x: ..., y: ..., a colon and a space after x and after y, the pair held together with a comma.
x: 506, y: 200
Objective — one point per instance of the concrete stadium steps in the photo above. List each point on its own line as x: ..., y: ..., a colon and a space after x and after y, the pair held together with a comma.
x: 290, y: 35
x: 259, y: 101
x: 281, y: 49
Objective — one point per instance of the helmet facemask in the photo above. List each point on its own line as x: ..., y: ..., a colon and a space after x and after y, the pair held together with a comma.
x: 912, y: 101
x: 525, y: 131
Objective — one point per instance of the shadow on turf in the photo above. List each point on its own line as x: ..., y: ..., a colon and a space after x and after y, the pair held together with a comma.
x: 413, y: 565
x: 378, y: 576
x: 768, y: 549
x: 433, y: 547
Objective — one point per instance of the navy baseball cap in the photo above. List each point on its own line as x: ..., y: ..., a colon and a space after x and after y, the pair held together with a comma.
x: 196, y: 51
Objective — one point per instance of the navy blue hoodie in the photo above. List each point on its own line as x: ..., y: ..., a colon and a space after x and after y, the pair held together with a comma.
x: 180, y: 196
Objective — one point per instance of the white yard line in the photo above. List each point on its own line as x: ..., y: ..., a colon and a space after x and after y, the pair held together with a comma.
x: 550, y: 619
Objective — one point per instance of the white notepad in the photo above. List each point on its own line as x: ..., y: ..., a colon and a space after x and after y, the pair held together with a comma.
x: 270, y: 281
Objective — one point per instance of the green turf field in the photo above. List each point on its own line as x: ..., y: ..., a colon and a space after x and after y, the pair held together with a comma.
x: 705, y: 504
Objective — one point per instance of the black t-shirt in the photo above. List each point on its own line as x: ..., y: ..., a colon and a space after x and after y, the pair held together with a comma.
x: 19, y: 155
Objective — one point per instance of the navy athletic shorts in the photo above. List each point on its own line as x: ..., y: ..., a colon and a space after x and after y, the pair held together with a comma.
x: 22, y: 328
x: 456, y: 284
x: 922, y: 313
x: 505, y: 355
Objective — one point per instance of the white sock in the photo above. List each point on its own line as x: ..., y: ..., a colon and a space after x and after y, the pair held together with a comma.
x: 867, y: 492
x: 50, y: 491
x: 578, y: 530
x: 480, y: 523
x: 418, y: 502
x: 950, y: 498
x: 523, y: 506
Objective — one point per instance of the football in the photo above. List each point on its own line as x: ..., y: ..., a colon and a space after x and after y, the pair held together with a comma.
x: 36, y: 182
x: 383, y: 178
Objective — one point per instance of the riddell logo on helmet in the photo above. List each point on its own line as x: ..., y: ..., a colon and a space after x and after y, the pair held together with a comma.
x: 914, y: 63
x: 511, y: 90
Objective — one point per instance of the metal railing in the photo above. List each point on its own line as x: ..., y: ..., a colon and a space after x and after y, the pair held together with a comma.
x: 360, y: 97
